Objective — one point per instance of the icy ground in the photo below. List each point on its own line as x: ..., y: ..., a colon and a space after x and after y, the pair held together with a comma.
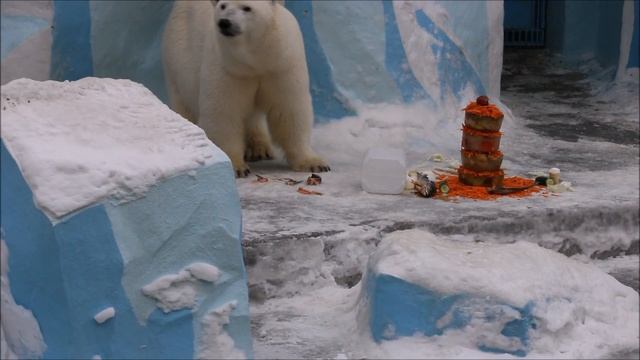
x: 305, y: 254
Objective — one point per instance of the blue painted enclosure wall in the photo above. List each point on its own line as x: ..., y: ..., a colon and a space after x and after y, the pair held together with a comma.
x: 357, y: 52
x: 65, y: 290
x: 102, y: 255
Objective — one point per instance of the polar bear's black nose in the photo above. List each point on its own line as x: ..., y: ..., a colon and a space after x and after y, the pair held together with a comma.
x: 224, y: 24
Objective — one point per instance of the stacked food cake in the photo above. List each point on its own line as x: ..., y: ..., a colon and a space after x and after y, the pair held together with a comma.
x: 481, y: 157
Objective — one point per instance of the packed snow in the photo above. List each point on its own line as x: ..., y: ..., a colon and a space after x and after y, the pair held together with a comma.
x: 213, y: 341
x: 513, y: 273
x: 203, y: 271
x: 20, y: 336
x: 573, y: 303
x: 180, y: 290
x: 105, y: 139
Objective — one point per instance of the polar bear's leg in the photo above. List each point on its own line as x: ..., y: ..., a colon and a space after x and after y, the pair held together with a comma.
x: 258, y: 139
x: 176, y: 103
x: 225, y: 103
x: 290, y: 119
x: 227, y: 131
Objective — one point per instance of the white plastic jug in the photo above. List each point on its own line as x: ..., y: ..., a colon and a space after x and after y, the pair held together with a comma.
x: 384, y: 171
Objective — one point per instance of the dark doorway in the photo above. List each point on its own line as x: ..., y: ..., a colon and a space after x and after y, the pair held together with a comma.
x: 525, y: 23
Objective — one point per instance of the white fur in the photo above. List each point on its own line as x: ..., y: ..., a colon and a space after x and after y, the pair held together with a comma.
x: 229, y: 85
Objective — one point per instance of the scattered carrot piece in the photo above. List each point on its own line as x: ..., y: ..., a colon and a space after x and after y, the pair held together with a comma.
x: 460, y: 190
x: 304, y: 191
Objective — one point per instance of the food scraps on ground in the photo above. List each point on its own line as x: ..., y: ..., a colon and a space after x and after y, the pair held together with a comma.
x: 290, y: 181
x: 437, y: 158
x: 559, y: 188
x: 541, y: 180
x: 423, y: 186
x: 460, y: 190
x: 443, y: 187
x: 286, y: 181
x: 501, y: 190
x: 304, y: 191
x: 314, y: 179
x: 261, y: 179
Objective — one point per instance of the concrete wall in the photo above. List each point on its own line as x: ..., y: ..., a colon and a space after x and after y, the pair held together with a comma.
x: 358, y: 51
x: 634, y: 55
x: 630, y: 34
x: 586, y: 29
x: 555, y: 25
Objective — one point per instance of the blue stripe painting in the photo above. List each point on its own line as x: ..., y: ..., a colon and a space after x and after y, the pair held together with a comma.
x: 71, y: 57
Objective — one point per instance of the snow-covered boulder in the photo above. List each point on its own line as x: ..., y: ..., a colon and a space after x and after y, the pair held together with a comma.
x: 123, y: 225
x: 518, y: 299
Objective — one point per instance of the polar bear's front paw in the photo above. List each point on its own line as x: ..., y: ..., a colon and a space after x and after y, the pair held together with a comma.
x: 258, y: 150
x: 312, y: 164
x: 242, y: 170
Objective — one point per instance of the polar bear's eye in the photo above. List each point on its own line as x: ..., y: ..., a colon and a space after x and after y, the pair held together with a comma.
x: 223, y: 6
x: 246, y: 9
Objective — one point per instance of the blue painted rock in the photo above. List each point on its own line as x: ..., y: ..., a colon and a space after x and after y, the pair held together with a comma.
x: 514, y: 298
x: 122, y: 222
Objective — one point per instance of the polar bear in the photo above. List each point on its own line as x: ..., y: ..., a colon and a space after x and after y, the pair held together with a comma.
x: 238, y: 70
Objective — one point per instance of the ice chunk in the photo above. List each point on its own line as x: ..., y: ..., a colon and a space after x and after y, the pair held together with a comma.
x: 203, y: 271
x: 105, y: 315
x: 384, y: 171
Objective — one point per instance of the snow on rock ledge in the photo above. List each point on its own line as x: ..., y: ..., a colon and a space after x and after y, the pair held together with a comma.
x: 178, y: 291
x: 79, y: 142
x: 517, y: 298
x: 126, y: 192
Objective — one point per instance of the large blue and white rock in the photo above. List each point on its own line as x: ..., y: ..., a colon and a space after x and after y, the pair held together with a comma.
x: 470, y: 298
x: 123, y: 225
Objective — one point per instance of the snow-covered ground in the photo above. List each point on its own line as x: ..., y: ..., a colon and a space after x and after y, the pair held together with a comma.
x: 306, y: 254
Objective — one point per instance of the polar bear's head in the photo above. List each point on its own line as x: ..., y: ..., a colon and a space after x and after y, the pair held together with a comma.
x: 237, y: 17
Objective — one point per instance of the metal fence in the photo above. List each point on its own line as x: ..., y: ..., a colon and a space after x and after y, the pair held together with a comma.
x: 532, y: 36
